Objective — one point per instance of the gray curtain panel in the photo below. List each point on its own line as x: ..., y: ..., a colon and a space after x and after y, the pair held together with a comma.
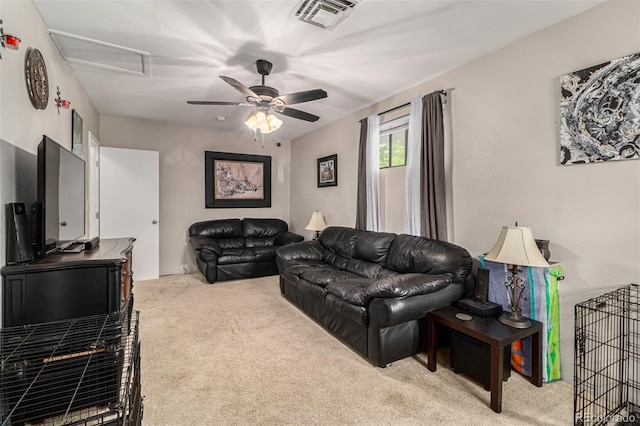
x: 361, y: 201
x: 433, y: 220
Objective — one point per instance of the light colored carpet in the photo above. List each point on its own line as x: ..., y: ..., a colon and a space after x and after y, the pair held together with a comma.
x: 238, y: 353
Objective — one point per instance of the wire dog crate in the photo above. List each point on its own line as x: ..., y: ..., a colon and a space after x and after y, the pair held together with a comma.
x: 607, y: 359
x: 84, y: 371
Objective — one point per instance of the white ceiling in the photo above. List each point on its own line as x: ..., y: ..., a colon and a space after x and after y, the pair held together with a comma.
x: 384, y: 47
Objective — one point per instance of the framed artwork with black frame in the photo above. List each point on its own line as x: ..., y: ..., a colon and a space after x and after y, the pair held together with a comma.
x: 76, y: 133
x: 328, y: 171
x: 237, y: 180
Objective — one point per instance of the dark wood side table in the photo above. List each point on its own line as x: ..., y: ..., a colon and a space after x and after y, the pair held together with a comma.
x: 496, y: 335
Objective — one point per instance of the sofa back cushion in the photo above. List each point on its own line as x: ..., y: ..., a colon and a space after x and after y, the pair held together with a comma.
x: 261, y: 228
x: 373, y: 246
x: 259, y: 241
x: 231, y: 243
x: 409, y: 254
x: 223, y: 228
x: 359, y: 252
x: 363, y: 268
x: 240, y: 233
x: 339, y: 240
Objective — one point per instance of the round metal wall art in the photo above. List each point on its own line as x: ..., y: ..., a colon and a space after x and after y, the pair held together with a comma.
x: 37, y: 79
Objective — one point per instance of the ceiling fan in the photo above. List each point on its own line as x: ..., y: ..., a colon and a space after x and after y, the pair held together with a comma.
x: 265, y: 99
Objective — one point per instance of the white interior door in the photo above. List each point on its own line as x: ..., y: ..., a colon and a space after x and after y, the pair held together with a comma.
x: 94, y: 186
x: 129, y: 204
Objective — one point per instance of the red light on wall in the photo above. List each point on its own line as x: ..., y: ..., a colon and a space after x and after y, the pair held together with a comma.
x: 11, y: 42
x: 61, y: 103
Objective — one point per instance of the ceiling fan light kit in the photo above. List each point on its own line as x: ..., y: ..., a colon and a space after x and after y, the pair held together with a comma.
x: 263, y: 121
x: 267, y: 99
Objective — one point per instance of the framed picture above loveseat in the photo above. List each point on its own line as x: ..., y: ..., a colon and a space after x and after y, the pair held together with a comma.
x: 237, y: 180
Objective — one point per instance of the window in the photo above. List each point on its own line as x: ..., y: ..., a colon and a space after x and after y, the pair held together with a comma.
x: 393, y: 142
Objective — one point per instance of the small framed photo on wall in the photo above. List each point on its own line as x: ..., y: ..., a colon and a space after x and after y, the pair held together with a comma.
x: 76, y: 133
x: 328, y: 171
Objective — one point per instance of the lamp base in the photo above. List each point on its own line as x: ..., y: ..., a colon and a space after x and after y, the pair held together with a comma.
x: 515, y: 321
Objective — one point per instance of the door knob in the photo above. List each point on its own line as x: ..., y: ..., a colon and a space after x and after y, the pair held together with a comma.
x: 154, y: 221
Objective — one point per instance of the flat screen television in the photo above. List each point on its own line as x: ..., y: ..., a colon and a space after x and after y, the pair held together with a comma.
x: 59, y: 211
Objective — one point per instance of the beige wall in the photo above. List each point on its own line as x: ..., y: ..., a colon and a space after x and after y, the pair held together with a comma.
x: 182, y: 177
x: 505, y: 162
x: 21, y: 125
x: 337, y: 203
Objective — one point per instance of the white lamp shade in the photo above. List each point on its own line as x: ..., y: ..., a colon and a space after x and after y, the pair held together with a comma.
x: 516, y: 246
x: 316, y: 223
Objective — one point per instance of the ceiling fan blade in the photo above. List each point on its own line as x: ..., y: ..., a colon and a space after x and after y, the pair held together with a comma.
x: 296, y: 113
x: 239, y: 87
x: 300, y: 97
x: 218, y: 103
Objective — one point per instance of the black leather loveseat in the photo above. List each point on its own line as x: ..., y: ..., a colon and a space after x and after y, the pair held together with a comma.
x: 373, y: 289
x: 231, y: 249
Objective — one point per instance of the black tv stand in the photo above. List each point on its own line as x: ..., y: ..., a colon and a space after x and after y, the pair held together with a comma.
x: 69, y: 285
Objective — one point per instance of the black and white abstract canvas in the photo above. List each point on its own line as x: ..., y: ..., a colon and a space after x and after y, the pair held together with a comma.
x: 600, y: 112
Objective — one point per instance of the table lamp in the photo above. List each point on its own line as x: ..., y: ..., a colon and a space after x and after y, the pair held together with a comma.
x: 516, y: 247
x: 316, y: 223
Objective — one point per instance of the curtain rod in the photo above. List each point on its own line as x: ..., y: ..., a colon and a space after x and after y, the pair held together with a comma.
x: 442, y: 92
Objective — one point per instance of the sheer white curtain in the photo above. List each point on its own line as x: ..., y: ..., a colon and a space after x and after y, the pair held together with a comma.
x: 412, y: 176
x: 373, y: 172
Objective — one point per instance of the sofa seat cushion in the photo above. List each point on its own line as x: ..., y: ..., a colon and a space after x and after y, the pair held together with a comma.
x: 265, y: 254
x: 231, y: 256
x: 325, y: 274
x: 354, y: 312
x: 351, y: 291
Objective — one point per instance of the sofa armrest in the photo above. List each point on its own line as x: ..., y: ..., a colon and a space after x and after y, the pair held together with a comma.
x: 208, y: 244
x: 284, y: 238
x: 385, y: 312
x: 304, y: 250
x: 407, y: 285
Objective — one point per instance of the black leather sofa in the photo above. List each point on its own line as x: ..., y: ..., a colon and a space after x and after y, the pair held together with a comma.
x: 231, y: 249
x: 373, y: 290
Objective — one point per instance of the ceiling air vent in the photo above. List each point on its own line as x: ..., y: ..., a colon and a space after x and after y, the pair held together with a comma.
x: 94, y: 53
x: 325, y: 14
